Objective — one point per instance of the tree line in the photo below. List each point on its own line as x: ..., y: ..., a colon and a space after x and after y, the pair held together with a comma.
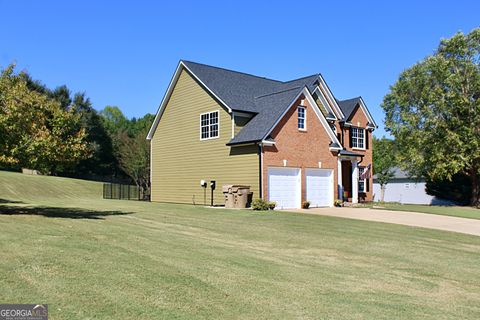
x: 60, y: 133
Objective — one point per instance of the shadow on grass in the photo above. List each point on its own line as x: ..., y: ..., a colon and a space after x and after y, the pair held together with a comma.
x: 56, y: 212
x: 10, y: 201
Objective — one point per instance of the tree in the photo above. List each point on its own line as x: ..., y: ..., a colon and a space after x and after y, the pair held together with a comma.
x: 433, y: 111
x: 103, y: 161
x: 130, y: 146
x: 458, y: 189
x: 35, y: 131
x: 62, y: 95
x: 134, y: 158
x: 114, y: 120
x: 384, y: 161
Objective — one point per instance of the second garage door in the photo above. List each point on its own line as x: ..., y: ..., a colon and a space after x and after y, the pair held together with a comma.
x: 284, y: 187
x: 319, y: 184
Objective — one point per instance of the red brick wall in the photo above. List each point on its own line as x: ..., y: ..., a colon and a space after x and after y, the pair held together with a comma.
x: 359, y: 119
x: 301, y: 149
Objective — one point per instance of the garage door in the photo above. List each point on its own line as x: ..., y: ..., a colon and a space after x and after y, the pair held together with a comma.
x: 284, y: 187
x: 319, y: 184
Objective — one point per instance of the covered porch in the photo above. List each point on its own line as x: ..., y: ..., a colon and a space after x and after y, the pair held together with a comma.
x: 348, y: 177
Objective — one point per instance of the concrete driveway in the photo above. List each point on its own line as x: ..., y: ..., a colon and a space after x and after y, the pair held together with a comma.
x: 415, y: 219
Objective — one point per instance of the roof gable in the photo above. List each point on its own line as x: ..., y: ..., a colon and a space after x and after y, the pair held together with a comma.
x: 329, y: 113
x: 180, y: 67
x: 262, y: 125
x: 273, y: 106
x: 350, y: 106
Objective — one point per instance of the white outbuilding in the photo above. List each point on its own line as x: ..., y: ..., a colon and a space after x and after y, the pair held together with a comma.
x: 403, y: 189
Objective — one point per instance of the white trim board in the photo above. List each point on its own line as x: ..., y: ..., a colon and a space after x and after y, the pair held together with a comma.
x: 367, y: 112
x: 330, y: 96
x: 324, y: 102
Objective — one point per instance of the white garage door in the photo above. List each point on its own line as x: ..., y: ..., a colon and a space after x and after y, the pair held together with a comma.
x: 319, y: 184
x: 284, y: 187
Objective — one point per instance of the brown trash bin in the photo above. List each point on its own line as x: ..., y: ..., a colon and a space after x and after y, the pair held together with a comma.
x: 228, y: 194
x: 241, y: 195
x: 236, y: 196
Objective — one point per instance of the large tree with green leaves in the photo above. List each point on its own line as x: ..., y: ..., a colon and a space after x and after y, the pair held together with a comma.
x: 433, y: 111
x: 384, y: 161
x: 35, y: 130
x: 133, y: 153
x: 131, y: 148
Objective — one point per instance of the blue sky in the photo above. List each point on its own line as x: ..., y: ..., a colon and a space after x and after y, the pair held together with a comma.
x: 124, y: 53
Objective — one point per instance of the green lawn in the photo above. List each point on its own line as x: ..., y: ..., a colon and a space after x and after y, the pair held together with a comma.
x: 463, y: 212
x: 90, y: 258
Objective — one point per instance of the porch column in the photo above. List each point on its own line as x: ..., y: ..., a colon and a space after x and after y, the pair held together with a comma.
x: 354, y: 181
x: 339, y: 179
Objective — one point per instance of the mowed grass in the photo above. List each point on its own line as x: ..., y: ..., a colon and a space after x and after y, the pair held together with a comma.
x: 455, y: 211
x: 90, y: 258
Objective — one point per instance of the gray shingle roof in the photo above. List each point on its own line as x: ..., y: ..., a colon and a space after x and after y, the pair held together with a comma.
x: 398, y: 174
x: 272, y: 107
x: 236, y: 89
x: 267, y: 98
x: 239, y: 90
x: 348, y: 106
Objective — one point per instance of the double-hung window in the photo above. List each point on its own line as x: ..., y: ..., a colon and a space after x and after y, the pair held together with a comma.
x: 361, y: 182
x: 358, y: 138
x: 209, y: 125
x: 302, y: 116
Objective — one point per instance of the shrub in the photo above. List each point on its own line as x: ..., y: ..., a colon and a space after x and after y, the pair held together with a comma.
x: 338, y: 203
x: 260, y: 204
x: 306, y: 204
x: 272, y: 205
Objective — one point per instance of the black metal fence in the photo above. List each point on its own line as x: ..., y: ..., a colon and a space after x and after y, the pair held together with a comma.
x: 121, y: 191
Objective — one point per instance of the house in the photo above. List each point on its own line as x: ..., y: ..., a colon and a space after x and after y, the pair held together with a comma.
x: 404, y: 189
x: 290, y: 141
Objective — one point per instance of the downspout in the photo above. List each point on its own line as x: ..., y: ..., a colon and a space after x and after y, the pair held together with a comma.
x: 343, y: 134
x: 151, y: 170
x: 260, y: 179
x: 361, y: 159
x: 233, y: 124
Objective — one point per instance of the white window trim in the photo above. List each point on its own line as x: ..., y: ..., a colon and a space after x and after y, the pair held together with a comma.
x: 218, y: 125
x: 304, y: 118
x: 364, y: 140
x: 360, y: 172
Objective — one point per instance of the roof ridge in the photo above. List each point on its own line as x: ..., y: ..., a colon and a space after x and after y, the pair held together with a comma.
x: 315, y: 74
x: 230, y: 70
x: 354, y: 98
x: 276, y: 92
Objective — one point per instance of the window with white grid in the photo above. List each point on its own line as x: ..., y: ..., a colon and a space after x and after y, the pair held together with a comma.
x: 209, y: 125
x: 358, y: 138
x: 301, y: 118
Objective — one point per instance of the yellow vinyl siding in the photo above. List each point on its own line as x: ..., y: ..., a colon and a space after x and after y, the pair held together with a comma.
x: 180, y: 159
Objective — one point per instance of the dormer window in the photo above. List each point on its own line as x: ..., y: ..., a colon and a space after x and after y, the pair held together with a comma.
x: 358, y: 138
x: 302, y: 116
x: 209, y: 125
